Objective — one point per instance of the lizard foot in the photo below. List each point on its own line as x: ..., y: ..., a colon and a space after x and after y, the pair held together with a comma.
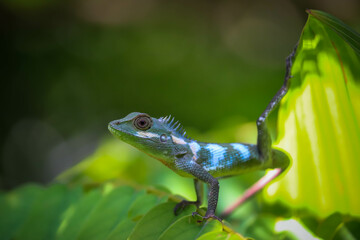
x: 206, y: 217
x: 181, y: 205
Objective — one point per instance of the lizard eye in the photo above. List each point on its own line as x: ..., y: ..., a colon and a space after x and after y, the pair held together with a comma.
x: 143, y: 122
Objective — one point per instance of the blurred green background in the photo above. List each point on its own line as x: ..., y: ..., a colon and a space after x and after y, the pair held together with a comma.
x: 70, y: 67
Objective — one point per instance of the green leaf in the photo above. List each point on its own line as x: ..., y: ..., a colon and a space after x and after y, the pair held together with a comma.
x: 111, y: 209
x: 329, y: 226
x: 319, y: 121
x: 349, y: 230
x: 220, y: 236
x: 343, y: 30
x: 74, y: 216
x: 45, y: 214
x: 161, y: 216
x: 142, y: 205
x: 122, y: 230
x: 188, y: 228
x: 14, y: 207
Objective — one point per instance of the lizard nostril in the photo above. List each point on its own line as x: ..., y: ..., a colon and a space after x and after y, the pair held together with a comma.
x: 117, y: 123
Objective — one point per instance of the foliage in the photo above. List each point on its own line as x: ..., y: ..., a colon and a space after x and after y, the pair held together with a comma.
x: 317, y: 196
x: 319, y: 121
x: 101, y: 212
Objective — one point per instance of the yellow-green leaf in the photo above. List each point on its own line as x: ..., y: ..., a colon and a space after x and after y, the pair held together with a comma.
x: 319, y: 119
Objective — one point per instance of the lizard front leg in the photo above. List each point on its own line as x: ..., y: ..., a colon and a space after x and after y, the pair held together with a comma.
x: 199, y: 194
x: 191, y: 167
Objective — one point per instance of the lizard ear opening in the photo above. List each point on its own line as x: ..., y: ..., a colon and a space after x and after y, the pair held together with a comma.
x: 163, y: 138
x: 143, y: 122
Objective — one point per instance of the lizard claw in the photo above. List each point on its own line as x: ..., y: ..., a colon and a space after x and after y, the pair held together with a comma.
x: 181, y: 205
x: 206, y: 217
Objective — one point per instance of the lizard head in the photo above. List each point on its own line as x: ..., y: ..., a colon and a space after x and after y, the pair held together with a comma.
x: 159, y: 138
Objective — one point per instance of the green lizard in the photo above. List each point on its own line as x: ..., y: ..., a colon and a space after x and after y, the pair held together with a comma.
x: 164, y: 140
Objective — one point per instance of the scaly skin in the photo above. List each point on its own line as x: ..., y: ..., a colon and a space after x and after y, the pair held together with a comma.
x: 204, y: 162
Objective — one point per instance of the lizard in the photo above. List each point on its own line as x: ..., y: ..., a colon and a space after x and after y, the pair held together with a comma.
x: 165, y: 140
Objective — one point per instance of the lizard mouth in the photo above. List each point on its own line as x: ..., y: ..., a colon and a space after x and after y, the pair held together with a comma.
x: 118, y: 132
x: 111, y: 129
x: 112, y: 126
